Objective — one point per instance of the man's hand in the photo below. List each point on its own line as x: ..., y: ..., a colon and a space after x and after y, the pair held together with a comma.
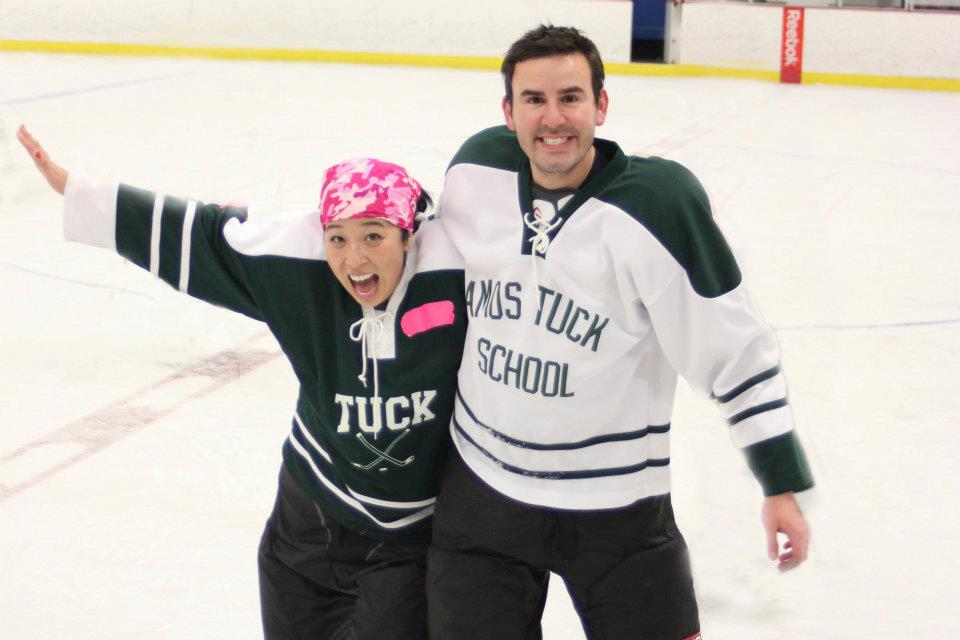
x: 55, y: 175
x: 781, y: 514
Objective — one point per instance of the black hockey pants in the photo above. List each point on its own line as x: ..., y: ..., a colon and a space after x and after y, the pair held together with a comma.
x: 627, y: 569
x: 322, y: 581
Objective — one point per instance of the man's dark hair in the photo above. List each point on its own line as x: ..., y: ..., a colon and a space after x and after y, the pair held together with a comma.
x: 548, y: 40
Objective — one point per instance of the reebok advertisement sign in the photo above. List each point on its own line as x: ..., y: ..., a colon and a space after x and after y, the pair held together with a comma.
x: 791, y: 48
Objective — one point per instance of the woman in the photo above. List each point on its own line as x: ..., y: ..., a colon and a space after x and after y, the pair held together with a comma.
x: 371, y: 317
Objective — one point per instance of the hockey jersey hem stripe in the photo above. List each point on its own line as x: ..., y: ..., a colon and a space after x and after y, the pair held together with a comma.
x: 760, y: 408
x: 561, y: 475
x: 352, y: 502
x: 376, y: 502
x: 307, y: 435
x: 590, y: 494
x: 389, y: 504
x: 751, y: 382
x: 562, y: 446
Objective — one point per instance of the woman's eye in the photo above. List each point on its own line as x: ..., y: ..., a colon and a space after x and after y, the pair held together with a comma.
x: 374, y: 237
x: 335, y: 240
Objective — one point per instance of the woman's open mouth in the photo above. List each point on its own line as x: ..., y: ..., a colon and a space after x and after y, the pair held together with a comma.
x: 365, y: 284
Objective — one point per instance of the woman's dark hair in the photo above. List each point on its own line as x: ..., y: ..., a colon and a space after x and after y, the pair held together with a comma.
x: 424, y: 202
x: 548, y: 40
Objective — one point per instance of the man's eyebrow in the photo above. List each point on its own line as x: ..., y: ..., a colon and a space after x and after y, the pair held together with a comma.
x: 573, y: 89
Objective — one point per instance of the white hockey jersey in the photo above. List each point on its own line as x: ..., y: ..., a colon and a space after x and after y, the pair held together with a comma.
x: 581, y: 319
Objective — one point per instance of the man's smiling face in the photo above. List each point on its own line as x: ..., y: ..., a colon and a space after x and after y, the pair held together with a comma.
x: 554, y: 113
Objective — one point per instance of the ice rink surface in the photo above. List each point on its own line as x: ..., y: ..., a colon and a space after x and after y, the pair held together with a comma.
x: 140, y: 431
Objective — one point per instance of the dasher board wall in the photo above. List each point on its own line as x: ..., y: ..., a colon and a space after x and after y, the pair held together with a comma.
x: 437, y: 27
x: 876, y: 42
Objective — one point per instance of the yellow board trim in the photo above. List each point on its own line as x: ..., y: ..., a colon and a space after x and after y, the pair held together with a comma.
x: 885, y: 82
x: 686, y: 71
x: 461, y: 62
x: 240, y: 53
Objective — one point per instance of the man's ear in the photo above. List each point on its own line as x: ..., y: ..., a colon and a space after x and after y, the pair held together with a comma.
x: 602, y: 105
x: 508, y: 113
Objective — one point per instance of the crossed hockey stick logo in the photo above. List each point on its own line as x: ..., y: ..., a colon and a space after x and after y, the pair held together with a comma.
x: 383, y: 456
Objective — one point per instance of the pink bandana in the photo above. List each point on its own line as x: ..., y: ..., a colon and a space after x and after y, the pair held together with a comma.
x: 369, y: 188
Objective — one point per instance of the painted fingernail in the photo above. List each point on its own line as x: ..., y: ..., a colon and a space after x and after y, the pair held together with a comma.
x: 37, y: 155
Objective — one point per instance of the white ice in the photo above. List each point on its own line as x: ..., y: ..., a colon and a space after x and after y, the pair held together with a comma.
x: 134, y: 487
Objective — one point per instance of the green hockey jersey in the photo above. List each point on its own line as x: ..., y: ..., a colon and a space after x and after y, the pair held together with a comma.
x: 367, y: 451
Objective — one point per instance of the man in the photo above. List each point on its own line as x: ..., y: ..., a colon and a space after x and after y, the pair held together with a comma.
x: 592, y: 280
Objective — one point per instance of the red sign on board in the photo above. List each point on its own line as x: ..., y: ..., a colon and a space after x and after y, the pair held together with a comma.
x: 791, y: 49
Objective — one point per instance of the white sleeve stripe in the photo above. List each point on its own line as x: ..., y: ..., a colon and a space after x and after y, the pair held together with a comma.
x: 155, y: 236
x: 185, y: 245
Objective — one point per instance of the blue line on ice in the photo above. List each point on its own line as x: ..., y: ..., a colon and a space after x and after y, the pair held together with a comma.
x: 51, y: 276
x: 94, y: 88
x: 888, y: 325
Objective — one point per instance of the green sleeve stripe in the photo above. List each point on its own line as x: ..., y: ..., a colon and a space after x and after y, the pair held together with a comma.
x: 751, y: 382
x: 779, y: 464
x: 134, y: 224
x: 171, y: 240
x: 760, y: 408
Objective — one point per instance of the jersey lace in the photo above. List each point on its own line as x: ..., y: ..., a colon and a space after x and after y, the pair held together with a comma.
x: 367, y: 331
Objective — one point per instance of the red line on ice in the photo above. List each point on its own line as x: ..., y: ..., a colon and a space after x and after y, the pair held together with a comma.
x: 116, y: 421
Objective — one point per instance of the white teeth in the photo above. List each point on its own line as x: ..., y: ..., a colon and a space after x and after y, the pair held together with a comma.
x: 554, y: 141
x: 362, y: 278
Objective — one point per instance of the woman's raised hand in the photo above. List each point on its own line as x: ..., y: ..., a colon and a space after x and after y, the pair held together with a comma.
x: 55, y: 175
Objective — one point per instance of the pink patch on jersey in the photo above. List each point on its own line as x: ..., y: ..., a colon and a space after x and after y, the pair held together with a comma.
x: 427, y: 316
